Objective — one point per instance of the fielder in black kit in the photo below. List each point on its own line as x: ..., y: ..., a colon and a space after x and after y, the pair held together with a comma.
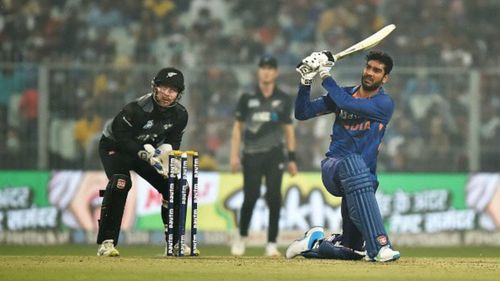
x: 138, y: 139
x: 264, y: 118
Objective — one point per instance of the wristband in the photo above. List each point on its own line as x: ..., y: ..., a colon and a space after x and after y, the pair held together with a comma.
x: 291, y: 156
x: 306, y: 82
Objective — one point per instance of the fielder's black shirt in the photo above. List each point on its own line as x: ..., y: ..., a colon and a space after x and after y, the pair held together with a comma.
x: 263, y: 119
x: 143, y: 121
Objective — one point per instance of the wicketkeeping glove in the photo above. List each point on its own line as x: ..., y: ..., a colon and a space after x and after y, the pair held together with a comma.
x: 153, y: 157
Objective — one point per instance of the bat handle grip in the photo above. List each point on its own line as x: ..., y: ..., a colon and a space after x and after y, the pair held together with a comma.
x: 329, y: 55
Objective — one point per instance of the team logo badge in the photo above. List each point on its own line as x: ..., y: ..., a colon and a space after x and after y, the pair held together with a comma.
x: 275, y: 103
x: 167, y: 126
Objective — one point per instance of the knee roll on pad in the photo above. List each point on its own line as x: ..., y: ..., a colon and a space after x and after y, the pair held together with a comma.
x: 113, y: 204
x: 361, y: 202
x: 328, y: 167
x: 352, y: 170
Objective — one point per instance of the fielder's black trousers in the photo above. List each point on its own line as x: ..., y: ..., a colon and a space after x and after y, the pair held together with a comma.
x: 256, y: 166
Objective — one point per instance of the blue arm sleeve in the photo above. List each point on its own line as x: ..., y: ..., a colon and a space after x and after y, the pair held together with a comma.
x: 379, y: 108
x: 307, y: 109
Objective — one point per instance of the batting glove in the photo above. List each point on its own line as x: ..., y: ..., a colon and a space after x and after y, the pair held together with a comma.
x: 306, y: 73
x: 324, y: 69
x: 316, y: 59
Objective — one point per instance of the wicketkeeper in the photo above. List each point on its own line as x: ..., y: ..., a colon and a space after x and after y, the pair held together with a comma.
x: 139, y: 138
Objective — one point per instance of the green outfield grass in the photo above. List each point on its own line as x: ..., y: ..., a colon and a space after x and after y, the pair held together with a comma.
x: 145, y: 263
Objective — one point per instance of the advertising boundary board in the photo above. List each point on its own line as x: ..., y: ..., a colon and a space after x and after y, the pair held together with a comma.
x: 57, y: 207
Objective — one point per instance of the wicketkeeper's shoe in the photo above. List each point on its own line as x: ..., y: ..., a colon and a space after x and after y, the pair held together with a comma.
x: 272, y: 250
x: 306, y: 243
x: 238, y: 247
x: 187, y: 250
x: 385, y: 254
x: 107, y: 249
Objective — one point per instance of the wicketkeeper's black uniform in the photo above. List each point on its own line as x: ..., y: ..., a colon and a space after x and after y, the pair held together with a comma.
x: 140, y: 122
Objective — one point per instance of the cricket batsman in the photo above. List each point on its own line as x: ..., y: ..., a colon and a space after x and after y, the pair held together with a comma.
x: 349, y: 169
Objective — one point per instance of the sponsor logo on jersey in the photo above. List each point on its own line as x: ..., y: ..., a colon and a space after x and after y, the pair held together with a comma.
x: 148, y: 125
x: 344, y: 115
x: 167, y: 126
x: 353, y: 122
x: 253, y: 103
x: 147, y: 137
x: 261, y: 116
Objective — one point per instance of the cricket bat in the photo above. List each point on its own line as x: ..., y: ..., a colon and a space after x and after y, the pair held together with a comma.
x: 367, y: 43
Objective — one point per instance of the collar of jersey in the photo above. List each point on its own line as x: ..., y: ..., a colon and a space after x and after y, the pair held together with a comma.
x: 351, y: 90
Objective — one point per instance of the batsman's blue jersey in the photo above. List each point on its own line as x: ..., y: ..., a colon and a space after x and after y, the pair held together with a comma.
x: 360, y: 123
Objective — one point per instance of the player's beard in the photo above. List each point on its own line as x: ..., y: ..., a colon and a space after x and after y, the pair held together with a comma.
x: 375, y: 84
x: 163, y: 102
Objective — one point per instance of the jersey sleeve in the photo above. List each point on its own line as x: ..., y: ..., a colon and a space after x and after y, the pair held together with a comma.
x: 241, y: 108
x: 125, y: 124
x: 379, y: 108
x: 287, y: 111
x: 305, y: 108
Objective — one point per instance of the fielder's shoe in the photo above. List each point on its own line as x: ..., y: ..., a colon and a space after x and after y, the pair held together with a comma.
x: 385, y: 254
x: 238, y: 247
x: 306, y: 243
x: 272, y: 250
x: 107, y: 249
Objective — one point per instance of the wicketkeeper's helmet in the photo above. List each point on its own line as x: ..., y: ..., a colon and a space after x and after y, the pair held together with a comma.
x: 169, y: 76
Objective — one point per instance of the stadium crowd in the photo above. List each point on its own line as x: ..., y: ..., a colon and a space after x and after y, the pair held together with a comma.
x: 97, y: 53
